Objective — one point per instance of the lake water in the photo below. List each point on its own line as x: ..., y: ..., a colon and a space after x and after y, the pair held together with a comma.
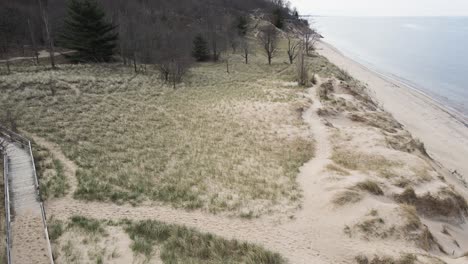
x: 428, y: 53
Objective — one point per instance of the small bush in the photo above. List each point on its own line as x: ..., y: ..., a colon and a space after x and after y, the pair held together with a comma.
x: 325, y: 90
x: 55, y: 228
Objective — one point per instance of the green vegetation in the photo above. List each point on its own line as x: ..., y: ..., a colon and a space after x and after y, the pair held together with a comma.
x: 86, y: 32
x: 184, y: 245
x: 56, y: 228
x: 87, y: 225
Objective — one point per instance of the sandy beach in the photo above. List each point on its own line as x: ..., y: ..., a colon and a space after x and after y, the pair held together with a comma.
x: 444, y: 135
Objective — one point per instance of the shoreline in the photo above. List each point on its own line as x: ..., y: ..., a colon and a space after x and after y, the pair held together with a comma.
x: 458, y: 115
x: 443, y: 131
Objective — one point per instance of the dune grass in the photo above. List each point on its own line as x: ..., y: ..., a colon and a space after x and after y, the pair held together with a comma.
x: 220, y: 142
x: 370, y: 186
x: 183, y: 245
x: 53, y: 182
x: 153, y: 240
x: 346, y: 197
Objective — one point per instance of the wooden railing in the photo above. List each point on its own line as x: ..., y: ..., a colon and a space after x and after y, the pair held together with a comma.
x: 25, y: 143
x: 7, y: 208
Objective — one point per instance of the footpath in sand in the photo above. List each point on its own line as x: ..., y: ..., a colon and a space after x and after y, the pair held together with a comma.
x: 29, y: 244
x: 445, y: 137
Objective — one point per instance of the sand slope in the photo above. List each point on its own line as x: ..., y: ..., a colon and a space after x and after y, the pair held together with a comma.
x: 445, y: 137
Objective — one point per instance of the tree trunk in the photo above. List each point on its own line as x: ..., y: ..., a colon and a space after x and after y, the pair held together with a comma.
x: 49, y: 37
x: 33, y: 42
x: 227, y: 65
x: 134, y: 63
x: 7, y: 61
x: 269, y: 59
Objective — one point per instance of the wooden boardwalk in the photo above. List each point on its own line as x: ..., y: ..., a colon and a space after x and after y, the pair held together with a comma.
x: 29, y: 241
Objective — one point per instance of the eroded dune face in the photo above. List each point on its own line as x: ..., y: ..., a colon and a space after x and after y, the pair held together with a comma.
x: 379, y: 165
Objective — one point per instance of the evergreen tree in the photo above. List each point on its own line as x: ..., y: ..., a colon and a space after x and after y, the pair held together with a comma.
x: 296, y: 14
x: 242, y: 26
x: 200, y: 48
x: 278, y: 18
x: 86, y: 32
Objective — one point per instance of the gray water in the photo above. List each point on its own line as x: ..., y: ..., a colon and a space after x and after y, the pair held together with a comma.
x: 428, y: 53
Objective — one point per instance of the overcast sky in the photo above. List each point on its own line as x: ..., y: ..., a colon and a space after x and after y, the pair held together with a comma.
x: 383, y: 7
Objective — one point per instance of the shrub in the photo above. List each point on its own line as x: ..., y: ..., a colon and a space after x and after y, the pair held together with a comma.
x: 200, y: 48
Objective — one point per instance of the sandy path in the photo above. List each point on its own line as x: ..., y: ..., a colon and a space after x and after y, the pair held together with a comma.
x: 69, y: 166
x: 445, y: 137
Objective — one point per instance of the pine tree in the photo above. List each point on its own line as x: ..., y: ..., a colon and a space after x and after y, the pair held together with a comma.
x: 242, y: 26
x: 87, y: 33
x: 200, y: 48
x: 278, y: 18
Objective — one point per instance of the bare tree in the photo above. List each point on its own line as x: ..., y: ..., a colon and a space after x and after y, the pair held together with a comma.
x: 50, y: 40
x: 269, y: 39
x: 33, y: 42
x: 293, y: 48
x: 245, y: 50
x: 310, y: 38
x: 302, y: 68
x: 177, y: 69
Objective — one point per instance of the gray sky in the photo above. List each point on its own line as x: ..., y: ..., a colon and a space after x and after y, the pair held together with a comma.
x: 383, y: 7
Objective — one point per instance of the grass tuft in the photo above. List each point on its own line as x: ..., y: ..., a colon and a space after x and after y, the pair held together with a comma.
x: 90, y: 226
x: 347, y: 197
x: 371, y: 187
